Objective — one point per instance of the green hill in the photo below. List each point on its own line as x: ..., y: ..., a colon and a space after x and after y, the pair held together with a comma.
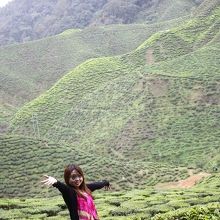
x: 90, y: 76
x: 157, y: 98
x: 27, y: 70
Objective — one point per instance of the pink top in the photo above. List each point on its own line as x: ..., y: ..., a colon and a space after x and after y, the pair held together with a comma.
x: 86, y: 208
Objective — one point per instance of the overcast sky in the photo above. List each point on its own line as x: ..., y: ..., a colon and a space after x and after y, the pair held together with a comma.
x: 4, y: 2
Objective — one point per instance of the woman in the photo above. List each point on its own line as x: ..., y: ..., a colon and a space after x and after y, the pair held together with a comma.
x: 76, y: 193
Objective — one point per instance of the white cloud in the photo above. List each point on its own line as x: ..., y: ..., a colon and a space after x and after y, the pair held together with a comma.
x: 4, y: 2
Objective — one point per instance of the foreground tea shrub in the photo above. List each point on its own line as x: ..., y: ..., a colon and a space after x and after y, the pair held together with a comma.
x: 211, y: 211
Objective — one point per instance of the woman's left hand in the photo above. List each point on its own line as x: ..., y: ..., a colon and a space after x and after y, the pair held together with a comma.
x: 49, y: 180
x: 108, y: 187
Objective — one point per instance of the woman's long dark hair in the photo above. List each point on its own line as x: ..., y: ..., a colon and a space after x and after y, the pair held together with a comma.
x: 67, y: 172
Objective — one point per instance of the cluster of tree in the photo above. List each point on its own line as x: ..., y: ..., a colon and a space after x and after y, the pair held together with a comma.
x: 24, y: 20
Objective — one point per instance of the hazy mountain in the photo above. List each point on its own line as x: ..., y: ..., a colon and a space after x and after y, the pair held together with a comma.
x: 24, y: 20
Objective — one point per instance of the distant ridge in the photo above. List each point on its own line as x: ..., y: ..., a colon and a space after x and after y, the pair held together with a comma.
x: 24, y: 20
x: 206, y: 7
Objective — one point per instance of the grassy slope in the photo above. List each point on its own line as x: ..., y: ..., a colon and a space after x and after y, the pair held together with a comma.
x: 200, y: 202
x: 6, y: 112
x: 26, y: 70
x: 93, y: 74
x: 166, y: 107
x: 28, y: 159
x: 121, y: 109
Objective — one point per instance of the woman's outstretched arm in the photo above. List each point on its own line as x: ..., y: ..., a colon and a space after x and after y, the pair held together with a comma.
x: 51, y: 181
x: 99, y: 185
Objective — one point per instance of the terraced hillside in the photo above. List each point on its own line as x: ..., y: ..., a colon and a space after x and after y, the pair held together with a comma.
x: 27, y: 70
x: 200, y: 202
x: 6, y: 112
x: 161, y: 98
x: 98, y: 76
x: 28, y: 159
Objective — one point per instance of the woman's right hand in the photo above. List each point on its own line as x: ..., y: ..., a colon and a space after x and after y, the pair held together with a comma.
x: 48, y: 180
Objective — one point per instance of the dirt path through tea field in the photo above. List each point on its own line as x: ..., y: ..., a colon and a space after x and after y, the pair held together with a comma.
x: 189, y: 182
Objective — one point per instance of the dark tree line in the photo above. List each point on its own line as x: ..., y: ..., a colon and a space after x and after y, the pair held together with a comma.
x: 24, y: 20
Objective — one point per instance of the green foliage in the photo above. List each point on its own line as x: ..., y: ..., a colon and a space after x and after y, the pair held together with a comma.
x: 204, y: 212
x: 28, y: 159
x: 135, y: 204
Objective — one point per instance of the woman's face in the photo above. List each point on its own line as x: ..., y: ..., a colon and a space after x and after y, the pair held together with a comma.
x: 75, y: 179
